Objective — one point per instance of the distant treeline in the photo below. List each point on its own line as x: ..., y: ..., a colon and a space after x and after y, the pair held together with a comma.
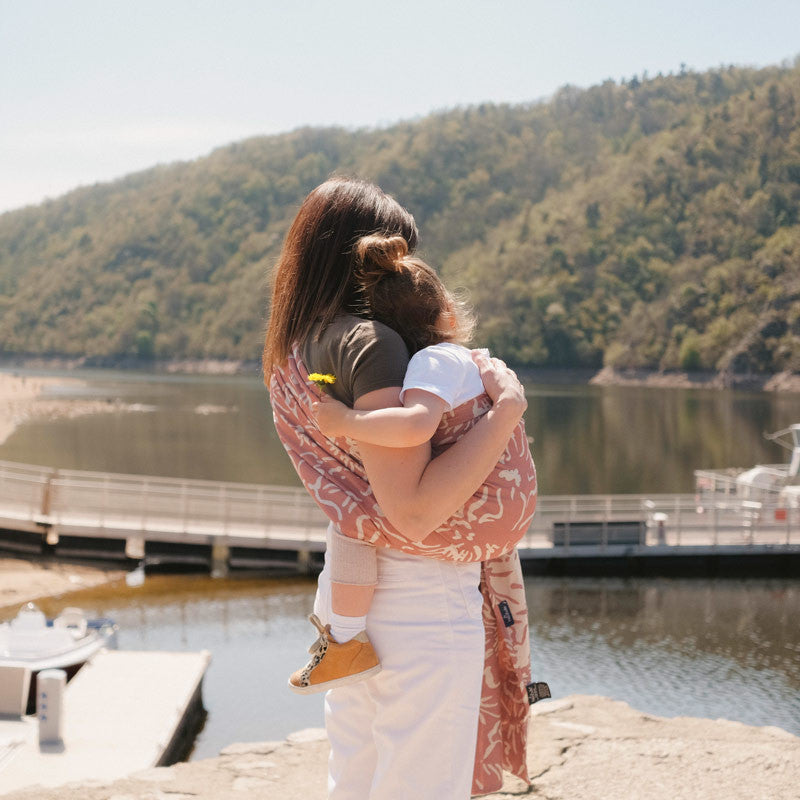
x: 652, y: 223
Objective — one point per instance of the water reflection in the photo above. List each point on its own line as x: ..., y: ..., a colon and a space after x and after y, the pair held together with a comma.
x: 587, y: 438
x: 673, y: 647
x: 635, y: 439
x: 713, y: 649
x: 184, y: 426
x: 754, y: 623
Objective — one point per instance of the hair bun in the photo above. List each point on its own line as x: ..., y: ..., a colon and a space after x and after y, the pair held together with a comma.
x: 384, y: 252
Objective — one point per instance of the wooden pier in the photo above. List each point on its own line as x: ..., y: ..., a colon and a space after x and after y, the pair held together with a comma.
x: 123, y: 712
x: 220, y: 525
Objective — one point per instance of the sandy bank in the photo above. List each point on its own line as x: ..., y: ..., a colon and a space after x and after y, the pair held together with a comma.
x: 582, y: 748
x: 22, y: 580
x: 24, y: 398
x: 608, y: 376
x: 188, y: 366
x: 17, y: 396
x: 782, y: 382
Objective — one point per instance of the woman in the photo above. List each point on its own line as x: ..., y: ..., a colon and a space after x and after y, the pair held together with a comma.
x: 410, y: 730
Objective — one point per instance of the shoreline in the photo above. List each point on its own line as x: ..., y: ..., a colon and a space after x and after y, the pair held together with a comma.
x: 18, y: 396
x: 580, y: 746
x: 607, y: 376
x: 24, y: 398
x: 780, y: 382
x: 179, y: 366
x: 24, y: 580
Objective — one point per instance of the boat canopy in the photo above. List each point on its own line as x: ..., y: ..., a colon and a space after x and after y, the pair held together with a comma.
x: 789, y: 438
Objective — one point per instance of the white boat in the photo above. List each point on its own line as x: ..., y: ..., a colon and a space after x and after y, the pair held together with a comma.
x: 777, y: 484
x: 66, y: 642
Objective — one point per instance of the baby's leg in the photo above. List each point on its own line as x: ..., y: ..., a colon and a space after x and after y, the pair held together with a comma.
x: 354, y: 574
x: 338, y: 659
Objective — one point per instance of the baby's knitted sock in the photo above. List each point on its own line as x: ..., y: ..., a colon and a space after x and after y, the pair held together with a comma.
x: 343, y: 628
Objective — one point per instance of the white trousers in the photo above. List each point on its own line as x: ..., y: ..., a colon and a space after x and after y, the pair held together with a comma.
x: 411, y: 730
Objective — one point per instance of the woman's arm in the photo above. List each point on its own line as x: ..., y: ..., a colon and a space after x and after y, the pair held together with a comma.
x: 411, y: 424
x: 417, y: 494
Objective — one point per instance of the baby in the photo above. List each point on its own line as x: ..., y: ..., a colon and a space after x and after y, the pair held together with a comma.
x: 407, y: 295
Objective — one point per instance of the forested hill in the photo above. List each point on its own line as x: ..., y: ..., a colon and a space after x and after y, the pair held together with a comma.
x: 653, y: 223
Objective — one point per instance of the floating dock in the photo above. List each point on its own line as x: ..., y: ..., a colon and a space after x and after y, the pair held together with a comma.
x: 123, y: 712
x: 221, y: 526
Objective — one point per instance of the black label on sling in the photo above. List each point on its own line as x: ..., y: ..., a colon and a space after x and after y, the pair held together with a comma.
x: 505, y: 613
x: 537, y: 691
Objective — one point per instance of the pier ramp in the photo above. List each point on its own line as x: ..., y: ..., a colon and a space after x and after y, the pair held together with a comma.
x: 124, y: 711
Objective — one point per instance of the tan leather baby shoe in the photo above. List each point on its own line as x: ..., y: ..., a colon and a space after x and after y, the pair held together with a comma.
x: 333, y: 664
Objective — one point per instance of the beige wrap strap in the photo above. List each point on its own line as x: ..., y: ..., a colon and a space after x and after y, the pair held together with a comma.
x: 353, y: 562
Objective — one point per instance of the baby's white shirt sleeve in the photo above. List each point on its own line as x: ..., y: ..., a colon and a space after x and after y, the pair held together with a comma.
x: 438, y: 370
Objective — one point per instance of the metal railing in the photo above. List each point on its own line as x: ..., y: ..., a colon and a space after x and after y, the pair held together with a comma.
x: 616, y: 522
x: 136, y: 507
x: 724, y: 482
x: 80, y: 501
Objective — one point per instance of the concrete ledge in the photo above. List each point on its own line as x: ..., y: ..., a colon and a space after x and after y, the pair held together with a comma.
x: 582, y: 748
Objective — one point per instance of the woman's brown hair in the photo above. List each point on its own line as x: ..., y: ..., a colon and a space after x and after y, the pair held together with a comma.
x: 406, y: 294
x: 314, y: 279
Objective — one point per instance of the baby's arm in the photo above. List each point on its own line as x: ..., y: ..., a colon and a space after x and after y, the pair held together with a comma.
x: 408, y: 425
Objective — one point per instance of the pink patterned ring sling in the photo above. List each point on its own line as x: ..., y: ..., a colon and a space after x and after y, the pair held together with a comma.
x: 485, y: 529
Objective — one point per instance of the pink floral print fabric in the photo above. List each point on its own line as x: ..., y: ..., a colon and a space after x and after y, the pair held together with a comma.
x: 485, y: 529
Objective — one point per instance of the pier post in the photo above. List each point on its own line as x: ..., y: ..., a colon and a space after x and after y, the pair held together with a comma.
x: 184, y: 507
x: 304, y: 561
x: 715, y: 521
x: 143, y: 500
x: 135, y: 547
x: 50, y: 685
x: 47, y: 493
x: 50, y: 539
x: 220, y: 553
x: 105, y: 501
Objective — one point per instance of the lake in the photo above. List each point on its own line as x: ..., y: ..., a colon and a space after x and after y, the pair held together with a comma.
x: 699, y: 647
x: 671, y: 647
x: 587, y: 439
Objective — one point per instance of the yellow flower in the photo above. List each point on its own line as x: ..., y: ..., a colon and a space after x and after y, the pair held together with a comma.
x: 320, y: 379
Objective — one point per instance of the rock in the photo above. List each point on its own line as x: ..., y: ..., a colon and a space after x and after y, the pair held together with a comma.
x: 549, y: 706
x: 307, y: 735
x: 155, y: 775
x: 257, y: 748
x: 580, y: 748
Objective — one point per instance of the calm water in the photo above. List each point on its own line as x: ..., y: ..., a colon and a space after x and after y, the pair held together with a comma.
x: 670, y: 647
x: 587, y: 439
x: 714, y: 649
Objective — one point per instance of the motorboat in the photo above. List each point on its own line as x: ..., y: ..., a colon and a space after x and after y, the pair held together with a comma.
x: 66, y: 642
x: 776, y: 484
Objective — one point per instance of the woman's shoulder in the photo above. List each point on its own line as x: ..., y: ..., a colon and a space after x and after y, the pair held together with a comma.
x: 372, y: 330
x: 362, y: 353
x: 350, y: 329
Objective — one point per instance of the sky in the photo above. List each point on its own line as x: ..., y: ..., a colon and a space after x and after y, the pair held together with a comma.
x: 91, y: 90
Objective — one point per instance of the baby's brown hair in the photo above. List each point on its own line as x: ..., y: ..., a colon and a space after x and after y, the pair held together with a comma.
x: 406, y: 294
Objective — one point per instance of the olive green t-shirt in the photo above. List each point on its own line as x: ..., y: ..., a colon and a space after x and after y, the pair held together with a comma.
x: 363, y: 354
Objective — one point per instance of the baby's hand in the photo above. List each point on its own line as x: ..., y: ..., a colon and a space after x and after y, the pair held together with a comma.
x: 330, y: 416
x: 500, y: 382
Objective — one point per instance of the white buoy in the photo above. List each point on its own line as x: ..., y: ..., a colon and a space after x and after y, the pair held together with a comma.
x: 50, y: 685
